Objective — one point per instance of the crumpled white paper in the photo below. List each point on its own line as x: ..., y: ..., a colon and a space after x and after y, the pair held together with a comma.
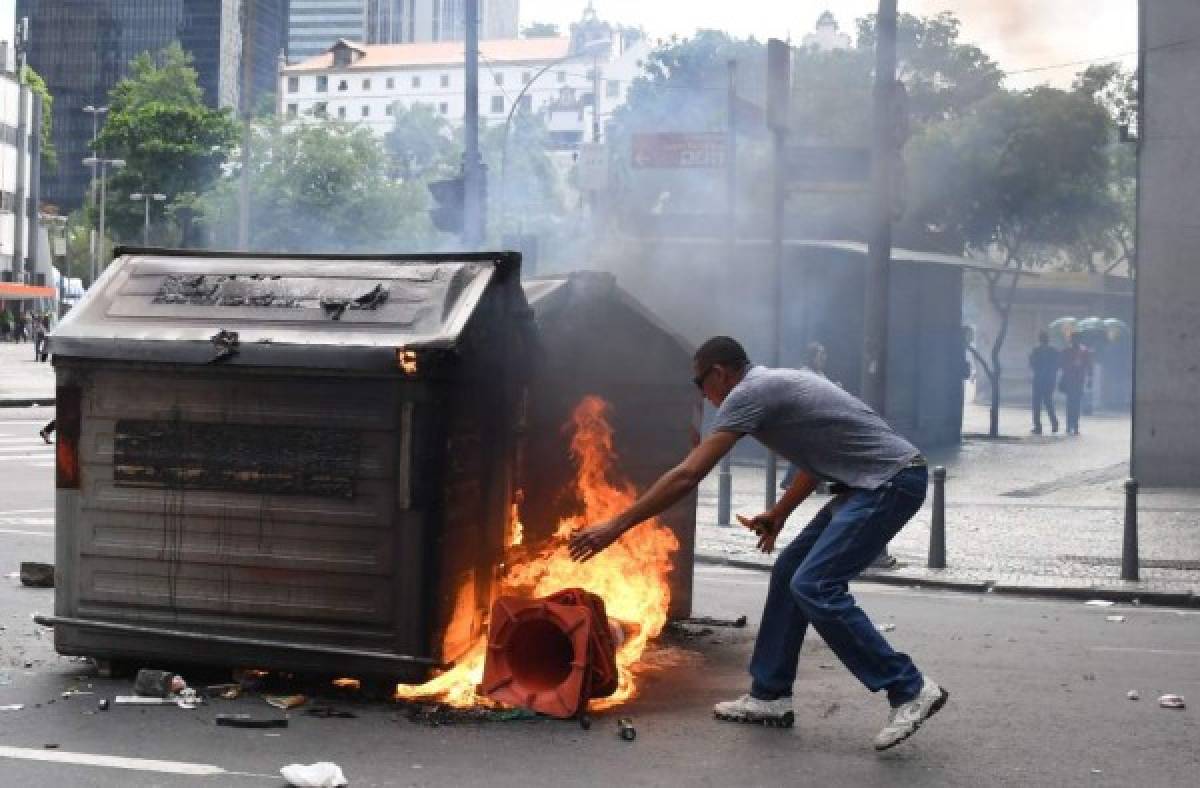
x: 315, y: 775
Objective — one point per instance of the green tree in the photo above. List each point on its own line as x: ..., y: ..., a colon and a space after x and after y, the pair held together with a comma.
x: 420, y: 143
x: 170, y: 141
x: 1108, y: 240
x: 38, y: 86
x: 319, y: 187
x: 1019, y: 178
x: 524, y: 194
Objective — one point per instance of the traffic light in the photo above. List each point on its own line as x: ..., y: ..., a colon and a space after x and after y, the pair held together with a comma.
x: 447, y: 213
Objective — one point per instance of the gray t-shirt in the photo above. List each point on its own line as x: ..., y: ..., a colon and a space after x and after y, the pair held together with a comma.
x: 817, y: 426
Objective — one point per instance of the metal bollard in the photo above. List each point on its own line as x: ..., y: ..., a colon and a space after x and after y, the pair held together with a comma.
x: 937, y: 526
x: 1129, y: 548
x: 725, y: 492
x: 771, y: 493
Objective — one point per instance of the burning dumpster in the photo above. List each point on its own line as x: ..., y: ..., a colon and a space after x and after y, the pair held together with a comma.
x: 293, y: 462
x: 596, y: 339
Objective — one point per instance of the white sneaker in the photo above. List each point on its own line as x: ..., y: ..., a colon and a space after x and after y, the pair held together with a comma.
x: 904, y: 720
x: 772, y: 713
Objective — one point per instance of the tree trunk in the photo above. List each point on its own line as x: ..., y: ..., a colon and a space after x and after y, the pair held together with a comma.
x: 1004, y: 309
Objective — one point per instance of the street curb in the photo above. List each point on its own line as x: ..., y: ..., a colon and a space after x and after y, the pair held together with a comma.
x: 26, y: 403
x: 1121, y: 595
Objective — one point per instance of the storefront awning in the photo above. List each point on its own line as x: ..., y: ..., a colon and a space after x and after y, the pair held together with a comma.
x: 12, y: 290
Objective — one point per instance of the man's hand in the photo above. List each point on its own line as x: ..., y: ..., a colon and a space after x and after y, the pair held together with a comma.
x: 766, y: 526
x: 589, y: 541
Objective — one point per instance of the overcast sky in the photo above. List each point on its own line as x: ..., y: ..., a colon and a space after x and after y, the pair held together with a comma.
x: 1019, y: 34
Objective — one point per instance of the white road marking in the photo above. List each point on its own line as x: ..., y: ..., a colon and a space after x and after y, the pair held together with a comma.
x: 118, y: 762
x: 26, y: 533
x: 9, y: 512
x: 1134, y: 650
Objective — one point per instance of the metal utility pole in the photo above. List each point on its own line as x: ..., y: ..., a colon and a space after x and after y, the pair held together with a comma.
x: 779, y: 88
x: 246, y: 102
x: 20, y: 214
x: 95, y: 112
x: 472, y: 166
x: 725, y: 472
x: 879, y: 251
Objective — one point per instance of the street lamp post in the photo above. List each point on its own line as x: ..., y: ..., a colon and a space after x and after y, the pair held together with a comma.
x: 145, y: 199
x: 102, y: 164
x: 588, y: 48
x: 95, y: 112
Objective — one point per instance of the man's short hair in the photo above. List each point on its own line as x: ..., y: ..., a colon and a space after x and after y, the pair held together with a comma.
x: 726, y: 351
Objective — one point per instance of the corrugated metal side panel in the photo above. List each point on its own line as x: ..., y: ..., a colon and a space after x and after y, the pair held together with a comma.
x: 235, y: 558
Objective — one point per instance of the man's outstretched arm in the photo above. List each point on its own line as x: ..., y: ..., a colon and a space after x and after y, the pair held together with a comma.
x: 668, y: 490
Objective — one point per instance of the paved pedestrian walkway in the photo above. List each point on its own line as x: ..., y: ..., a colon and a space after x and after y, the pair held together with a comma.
x: 23, y: 380
x: 1023, y: 513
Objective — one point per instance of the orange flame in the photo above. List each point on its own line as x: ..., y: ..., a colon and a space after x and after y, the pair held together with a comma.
x: 631, y: 575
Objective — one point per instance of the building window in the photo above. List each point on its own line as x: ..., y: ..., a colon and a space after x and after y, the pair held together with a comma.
x: 389, y: 109
x: 366, y: 111
x: 416, y: 81
x: 321, y: 110
x: 498, y: 76
x: 591, y: 74
x: 343, y: 85
x: 341, y: 113
x: 292, y: 110
x: 613, y: 89
x: 391, y: 83
x: 525, y: 77
x: 444, y: 108
x: 445, y: 80
x: 366, y: 84
x: 498, y: 105
x: 293, y: 84
x: 322, y: 84
x: 562, y: 76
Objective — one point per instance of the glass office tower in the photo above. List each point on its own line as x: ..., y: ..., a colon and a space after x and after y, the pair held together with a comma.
x: 83, y: 47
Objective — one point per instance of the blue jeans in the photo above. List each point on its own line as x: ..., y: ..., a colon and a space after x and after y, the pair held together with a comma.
x: 810, y: 583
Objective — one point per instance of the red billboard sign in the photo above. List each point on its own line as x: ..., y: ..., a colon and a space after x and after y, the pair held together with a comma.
x: 674, y: 150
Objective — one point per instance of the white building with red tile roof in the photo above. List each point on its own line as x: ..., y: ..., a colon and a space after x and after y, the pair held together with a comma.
x: 364, y: 83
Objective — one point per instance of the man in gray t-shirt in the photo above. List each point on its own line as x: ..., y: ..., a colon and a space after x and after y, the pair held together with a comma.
x: 815, y: 425
x: 881, y: 478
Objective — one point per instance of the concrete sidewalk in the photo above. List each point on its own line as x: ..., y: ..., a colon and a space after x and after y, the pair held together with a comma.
x: 24, y: 381
x: 1024, y: 514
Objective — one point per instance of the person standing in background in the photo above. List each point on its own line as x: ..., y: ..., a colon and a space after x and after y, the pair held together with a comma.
x: 1044, y: 360
x: 1076, y: 364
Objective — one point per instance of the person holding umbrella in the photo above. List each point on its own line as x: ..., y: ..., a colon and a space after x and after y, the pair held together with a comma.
x: 1076, y: 364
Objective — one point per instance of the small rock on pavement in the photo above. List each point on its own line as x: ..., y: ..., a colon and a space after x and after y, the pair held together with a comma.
x: 1132, y: 695
x: 36, y: 575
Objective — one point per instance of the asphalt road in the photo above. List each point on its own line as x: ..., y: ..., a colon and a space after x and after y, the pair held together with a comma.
x: 1038, y: 697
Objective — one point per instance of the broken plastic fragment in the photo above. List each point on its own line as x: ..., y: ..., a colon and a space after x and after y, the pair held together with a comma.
x: 315, y: 775
x: 1172, y: 702
x: 1100, y: 602
x: 1115, y: 619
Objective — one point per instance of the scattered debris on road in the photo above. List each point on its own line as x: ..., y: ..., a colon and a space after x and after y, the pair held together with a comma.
x: 737, y: 623
x: 314, y: 775
x: 12, y: 707
x: 285, y: 702
x: 1115, y: 619
x: 887, y: 628
x: 625, y: 729
x: 1100, y: 603
x: 37, y: 575
x: 158, y: 683
x: 247, y: 721
x: 1133, y: 695
x: 1172, y: 702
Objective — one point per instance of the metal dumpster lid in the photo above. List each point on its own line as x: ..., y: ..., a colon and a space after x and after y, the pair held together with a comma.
x: 324, y: 311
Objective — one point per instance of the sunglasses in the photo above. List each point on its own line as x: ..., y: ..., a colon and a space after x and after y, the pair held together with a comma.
x: 699, y: 379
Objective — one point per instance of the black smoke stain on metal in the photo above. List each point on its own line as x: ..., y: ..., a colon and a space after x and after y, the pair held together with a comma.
x: 264, y: 459
x: 335, y: 307
x: 226, y: 343
x: 372, y: 298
